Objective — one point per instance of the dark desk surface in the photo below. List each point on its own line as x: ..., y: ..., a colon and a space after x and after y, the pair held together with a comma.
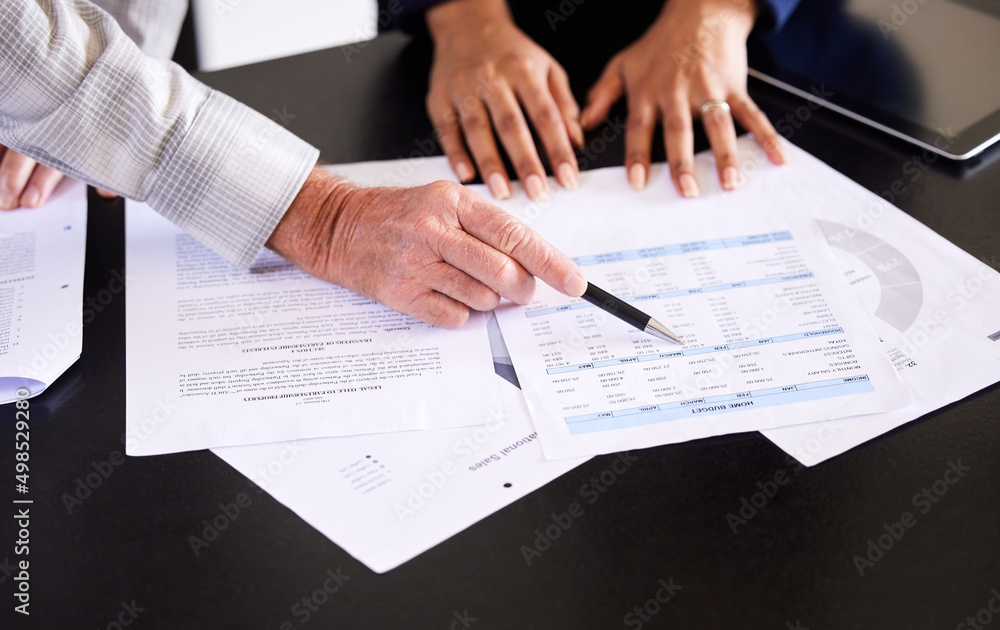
x: 665, y: 518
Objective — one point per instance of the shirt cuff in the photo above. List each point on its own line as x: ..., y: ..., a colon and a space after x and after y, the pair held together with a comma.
x: 774, y: 14
x: 232, y: 178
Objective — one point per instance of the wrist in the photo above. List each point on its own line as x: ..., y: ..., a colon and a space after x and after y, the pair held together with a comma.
x: 304, y: 234
x: 463, y: 18
x: 714, y: 15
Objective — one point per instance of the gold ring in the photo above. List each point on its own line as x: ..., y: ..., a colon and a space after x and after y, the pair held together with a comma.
x: 714, y: 104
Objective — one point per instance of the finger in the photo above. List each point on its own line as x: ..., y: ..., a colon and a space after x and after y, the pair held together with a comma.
x: 449, y: 134
x: 561, y: 92
x: 478, y: 130
x: 550, y: 125
x: 434, y: 308
x: 678, y: 138
x: 15, y: 169
x: 461, y: 287
x: 603, y: 95
x: 753, y: 120
x: 490, y: 267
x: 107, y: 194
x: 639, y: 140
x: 513, y: 131
x: 40, y: 186
x: 537, y: 256
x: 722, y: 136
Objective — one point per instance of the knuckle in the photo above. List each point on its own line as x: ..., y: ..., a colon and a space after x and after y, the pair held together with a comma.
x: 504, y: 274
x: 521, y: 65
x: 641, y: 117
x: 511, y: 236
x: 508, y: 123
x: 726, y: 156
x: 571, y: 110
x: 547, y: 117
x: 675, y: 125
x: 547, y: 264
x: 466, y: 79
x: 404, y: 295
x: 446, y: 314
x: 745, y: 103
x: 474, y: 122
x: 444, y: 191
x: 680, y: 166
x: 485, y: 299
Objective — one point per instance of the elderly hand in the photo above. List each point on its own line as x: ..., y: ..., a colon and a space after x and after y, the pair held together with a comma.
x: 485, y: 70
x: 691, y: 62
x: 24, y: 182
x: 432, y: 252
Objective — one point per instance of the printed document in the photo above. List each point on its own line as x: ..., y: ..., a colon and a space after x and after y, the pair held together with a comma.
x: 936, y: 308
x: 217, y: 356
x: 388, y: 498
x: 773, y: 333
x: 41, y: 291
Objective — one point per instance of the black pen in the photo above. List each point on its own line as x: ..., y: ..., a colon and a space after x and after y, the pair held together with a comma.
x: 628, y: 313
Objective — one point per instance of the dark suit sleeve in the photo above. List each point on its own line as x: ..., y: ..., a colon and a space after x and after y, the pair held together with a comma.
x: 774, y: 14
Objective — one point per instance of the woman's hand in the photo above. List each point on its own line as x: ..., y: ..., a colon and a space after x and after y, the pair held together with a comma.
x: 485, y: 70
x: 691, y: 62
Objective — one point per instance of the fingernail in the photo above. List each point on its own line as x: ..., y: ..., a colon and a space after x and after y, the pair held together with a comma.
x: 637, y: 176
x: 464, y: 172
x: 566, y: 175
x: 575, y: 284
x: 535, y: 187
x: 689, y: 185
x: 730, y: 178
x: 498, y: 186
x: 31, y: 197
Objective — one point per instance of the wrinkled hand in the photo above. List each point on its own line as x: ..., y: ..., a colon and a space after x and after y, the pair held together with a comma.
x: 24, y: 182
x: 694, y: 53
x: 432, y: 252
x: 485, y: 70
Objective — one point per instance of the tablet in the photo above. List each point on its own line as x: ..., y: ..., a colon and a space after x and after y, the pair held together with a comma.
x: 926, y: 71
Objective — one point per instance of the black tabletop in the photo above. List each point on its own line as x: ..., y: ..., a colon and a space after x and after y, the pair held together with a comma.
x: 657, y: 549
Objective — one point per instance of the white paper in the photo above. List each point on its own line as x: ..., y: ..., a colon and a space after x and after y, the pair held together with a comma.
x: 388, y: 498
x: 42, y: 255
x: 773, y: 334
x: 221, y: 357
x: 936, y: 308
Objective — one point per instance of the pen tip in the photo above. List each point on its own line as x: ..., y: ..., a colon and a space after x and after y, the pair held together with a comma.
x: 657, y: 329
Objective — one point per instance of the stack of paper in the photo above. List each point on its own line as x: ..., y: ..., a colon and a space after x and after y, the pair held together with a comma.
x: 782, y: 292
x: 41, y: 292
x: 810, y: 309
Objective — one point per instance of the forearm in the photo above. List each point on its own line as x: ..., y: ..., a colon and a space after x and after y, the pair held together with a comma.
x: 715, y: 17
x: 454, y: 18
x: 154, y: 25
x: 78, y: 95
